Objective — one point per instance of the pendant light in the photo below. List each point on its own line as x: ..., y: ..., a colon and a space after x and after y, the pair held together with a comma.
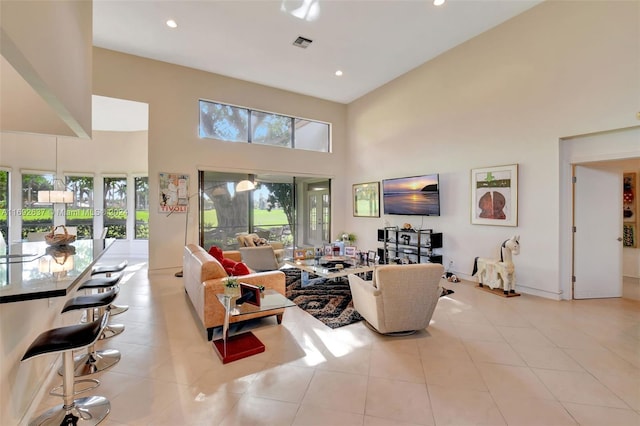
x: 59, y: 193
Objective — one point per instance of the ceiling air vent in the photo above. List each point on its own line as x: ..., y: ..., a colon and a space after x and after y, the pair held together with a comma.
x: 302, y: 42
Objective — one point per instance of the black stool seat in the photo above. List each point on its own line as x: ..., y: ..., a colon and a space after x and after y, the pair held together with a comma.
x: 66, y: 338
x: 81, y: 411
x: 109, y: 269
x: 102, y: 282
x: 97, y: 300
x: 94, y: 360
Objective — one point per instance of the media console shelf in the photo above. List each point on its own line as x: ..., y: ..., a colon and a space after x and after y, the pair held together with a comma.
x: 413, y: 246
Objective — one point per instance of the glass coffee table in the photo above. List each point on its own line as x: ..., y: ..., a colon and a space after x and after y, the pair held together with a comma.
x: 329, y: 271
x: 238, y: 346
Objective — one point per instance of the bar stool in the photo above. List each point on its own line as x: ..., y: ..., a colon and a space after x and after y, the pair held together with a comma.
x: 108, y: 270
x: 102, y: 284
x: 93, y: 360
x: 89, y: 410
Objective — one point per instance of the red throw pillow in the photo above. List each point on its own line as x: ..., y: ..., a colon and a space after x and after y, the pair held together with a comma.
x: 241, y: 269
x: 216, y: 252
x: 228, y: 265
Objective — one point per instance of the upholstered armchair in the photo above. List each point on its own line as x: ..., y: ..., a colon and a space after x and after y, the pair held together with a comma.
x: 260, y: 255
x: 400, y: 298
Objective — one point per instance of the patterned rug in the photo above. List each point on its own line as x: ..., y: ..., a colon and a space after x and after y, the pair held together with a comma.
x: 327, y: 300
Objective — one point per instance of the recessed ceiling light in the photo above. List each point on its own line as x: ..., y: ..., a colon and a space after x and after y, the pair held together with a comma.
x: 172, y: 24
x: 438, y: 2
x: 338, y: 73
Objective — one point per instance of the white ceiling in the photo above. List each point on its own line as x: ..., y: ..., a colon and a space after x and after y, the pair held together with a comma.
x: 371, y: 41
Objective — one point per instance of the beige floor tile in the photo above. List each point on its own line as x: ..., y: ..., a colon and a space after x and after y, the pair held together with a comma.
x: 525, y: 336
x: 589, y: 415
x: 311, y: 415
x: 283, y: 383
x: 602, y: 361
x: 550, y: 358
x: 569, y: 337
x: 356, y: 361
x: 343, y: 392
x: 184, y: 367
x: 534, y: 412
x: 456, y: 374
x: 234, y: 377
x: 473, y: 331
x: 458, y: 407
x: 493, y: 352
x: 579, y: 387
x: 627, y: 388
x: 397, y: 365
x: 512, y: 381
x: 144, y: 401
x: 251, y: 410
x: 198, y: 410
x: 436, y: 349
x: 378, y: 421
x: 398, y: 401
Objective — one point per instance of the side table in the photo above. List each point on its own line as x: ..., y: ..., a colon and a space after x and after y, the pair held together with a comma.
x: 238, y: 346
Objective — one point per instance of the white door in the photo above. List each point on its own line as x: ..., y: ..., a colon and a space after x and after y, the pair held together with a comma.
x: 597, y: 240
x: 318, y: 218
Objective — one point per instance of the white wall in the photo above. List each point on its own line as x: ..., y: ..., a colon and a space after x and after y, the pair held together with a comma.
x: 505, y: 97
x: 49, y: 43
x: 172, y: 93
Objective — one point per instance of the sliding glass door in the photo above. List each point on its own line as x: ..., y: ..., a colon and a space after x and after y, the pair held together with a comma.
x: 278, y: 209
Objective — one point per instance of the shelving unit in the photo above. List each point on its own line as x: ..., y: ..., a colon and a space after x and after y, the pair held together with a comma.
x: 419, y: 246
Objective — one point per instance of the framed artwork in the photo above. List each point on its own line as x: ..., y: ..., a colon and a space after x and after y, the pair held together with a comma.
x: 630, y: 204
x: 249, y: 294
x: 174, y: 193
x: 494, y: 195
x: 350, y: 251
x: 371, y: 256
x: 299, y: 254
x: 328, y: 250
x: 366, y: 199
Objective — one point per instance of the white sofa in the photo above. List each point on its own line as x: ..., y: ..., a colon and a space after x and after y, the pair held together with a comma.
x: 400, y: 298
x: 204, y: 277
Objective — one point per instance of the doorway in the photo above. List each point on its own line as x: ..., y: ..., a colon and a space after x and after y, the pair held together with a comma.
x: 617, y: 150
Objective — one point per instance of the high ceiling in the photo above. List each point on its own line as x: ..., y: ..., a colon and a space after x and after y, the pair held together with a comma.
x: 370, y: 41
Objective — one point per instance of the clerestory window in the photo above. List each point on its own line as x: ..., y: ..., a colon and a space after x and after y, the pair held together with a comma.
x: 237, y: 124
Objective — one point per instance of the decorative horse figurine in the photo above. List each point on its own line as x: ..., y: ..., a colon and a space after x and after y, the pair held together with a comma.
x: 499, y: 273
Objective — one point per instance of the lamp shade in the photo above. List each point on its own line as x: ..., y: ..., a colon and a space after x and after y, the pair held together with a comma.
x: 55, y: 197
x: 245, y: 185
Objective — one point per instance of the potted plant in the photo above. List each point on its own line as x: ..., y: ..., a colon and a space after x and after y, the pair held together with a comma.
x: 231, y: 286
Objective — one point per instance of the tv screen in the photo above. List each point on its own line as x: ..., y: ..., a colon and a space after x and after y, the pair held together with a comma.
x: 416, y: 195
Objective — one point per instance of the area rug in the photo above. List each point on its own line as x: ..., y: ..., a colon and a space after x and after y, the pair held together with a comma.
x: 327, y: 300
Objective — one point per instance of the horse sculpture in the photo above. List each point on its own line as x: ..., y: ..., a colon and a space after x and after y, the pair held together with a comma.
x: 499, y: 273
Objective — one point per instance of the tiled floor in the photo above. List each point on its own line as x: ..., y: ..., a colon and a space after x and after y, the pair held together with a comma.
x: 483, y: 360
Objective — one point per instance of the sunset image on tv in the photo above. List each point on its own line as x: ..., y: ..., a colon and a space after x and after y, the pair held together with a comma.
x: 417, y: 195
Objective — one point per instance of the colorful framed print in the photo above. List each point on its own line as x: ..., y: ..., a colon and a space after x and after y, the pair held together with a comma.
x: 494, y: 195
x: 366, y: 199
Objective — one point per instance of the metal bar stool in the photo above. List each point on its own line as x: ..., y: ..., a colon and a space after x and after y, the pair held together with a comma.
x: 101, y: 284
x: 93, y: 360
x: 108, y: 270
x: 89, y: 410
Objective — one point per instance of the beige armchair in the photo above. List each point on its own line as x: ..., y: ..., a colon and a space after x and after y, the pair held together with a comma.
x: 400, y: 298
x: 267, y: 257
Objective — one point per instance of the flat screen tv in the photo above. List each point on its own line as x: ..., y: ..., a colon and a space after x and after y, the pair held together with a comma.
x: 416, y: 195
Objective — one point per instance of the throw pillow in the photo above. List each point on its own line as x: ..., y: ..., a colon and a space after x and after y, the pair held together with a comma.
x: 235, y: 268
x: 241, y: 269
x: 216, y: 252
x: 260, y: 242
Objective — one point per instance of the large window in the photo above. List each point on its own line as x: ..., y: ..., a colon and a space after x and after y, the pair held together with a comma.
x: 80, y: 212
x: 4, y: 205
x: 237, y: 124
x: 115, y: 207
x: 224, y: 212
x: 142, y: 207
x: 36, y: 217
